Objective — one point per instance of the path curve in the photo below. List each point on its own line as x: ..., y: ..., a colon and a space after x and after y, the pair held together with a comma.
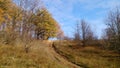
x: 60, y: 58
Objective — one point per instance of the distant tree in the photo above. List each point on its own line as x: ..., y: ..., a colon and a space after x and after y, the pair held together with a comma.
x: 67, y: 38
x: 83, y: 32
x: 77, y: 32
x: 60, y: 33
x: 113, y: 29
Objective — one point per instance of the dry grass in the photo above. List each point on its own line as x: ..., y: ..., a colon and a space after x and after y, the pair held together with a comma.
x: 39, y: 56
x: 88, y: 57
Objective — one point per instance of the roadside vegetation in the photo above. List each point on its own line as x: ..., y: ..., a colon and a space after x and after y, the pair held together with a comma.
x: 39, y: 56
x: 89, y: 56
x: 26, y: 28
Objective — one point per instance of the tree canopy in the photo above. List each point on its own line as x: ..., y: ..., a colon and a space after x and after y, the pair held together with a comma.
x: 27, y: 20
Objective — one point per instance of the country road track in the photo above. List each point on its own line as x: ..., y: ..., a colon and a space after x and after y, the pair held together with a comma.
x: 48, y: 50
x: 58, y: 57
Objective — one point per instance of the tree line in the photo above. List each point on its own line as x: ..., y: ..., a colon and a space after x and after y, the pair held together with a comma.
x: 111, y: 35
x: 29, y: 19
x: 26, y: 19
x: 23, y: 21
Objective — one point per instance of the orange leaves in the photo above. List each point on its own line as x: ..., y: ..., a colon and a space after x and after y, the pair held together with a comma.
x: 1, y: 16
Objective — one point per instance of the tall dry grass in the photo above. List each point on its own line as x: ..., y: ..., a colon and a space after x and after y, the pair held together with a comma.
x: 38, y: 56
x: 89, y: 56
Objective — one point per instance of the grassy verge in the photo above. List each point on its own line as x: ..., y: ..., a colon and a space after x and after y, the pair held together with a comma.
x: 38, y: 57
x: 89, y: 56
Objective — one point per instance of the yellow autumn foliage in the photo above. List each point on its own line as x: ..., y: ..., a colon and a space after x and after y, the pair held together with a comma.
x: 1, y: 16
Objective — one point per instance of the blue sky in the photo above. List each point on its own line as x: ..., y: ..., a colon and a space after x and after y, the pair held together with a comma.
x: 68, y: 12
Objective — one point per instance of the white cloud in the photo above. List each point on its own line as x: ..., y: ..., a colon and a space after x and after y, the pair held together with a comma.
x: 62, y: 11
x: 103, y: 4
